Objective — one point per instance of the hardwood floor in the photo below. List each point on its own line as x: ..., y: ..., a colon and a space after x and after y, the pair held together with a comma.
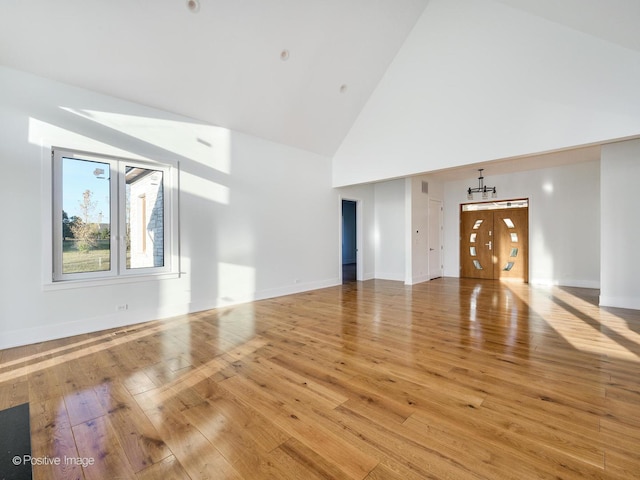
x: 455, y: 379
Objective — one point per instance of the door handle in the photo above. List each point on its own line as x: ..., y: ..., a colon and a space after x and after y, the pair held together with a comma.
x: 488, y: 244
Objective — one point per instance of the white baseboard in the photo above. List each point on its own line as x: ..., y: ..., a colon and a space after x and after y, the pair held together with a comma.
x: 43, y: 333
x: 390, y: 276
x: 296, y: 288
x: 267, y: 293
x: 565, y: 283
x: 418, y: 279
x: 632, y: 303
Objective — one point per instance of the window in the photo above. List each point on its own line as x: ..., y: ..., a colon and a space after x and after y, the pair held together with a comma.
x: 112, y: 217
x: 508, y: 222
x: 474, y: 207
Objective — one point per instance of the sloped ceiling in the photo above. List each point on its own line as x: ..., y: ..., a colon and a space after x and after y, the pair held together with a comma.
x: 224, y: 63
x: 613, y: 20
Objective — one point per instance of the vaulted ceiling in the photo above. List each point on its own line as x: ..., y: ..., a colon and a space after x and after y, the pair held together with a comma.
x: 296, y: 72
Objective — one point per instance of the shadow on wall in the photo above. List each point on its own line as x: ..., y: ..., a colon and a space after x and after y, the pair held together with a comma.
x: 203, y: 154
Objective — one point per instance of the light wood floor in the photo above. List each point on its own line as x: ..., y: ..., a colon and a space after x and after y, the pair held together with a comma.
x: 455, y: 379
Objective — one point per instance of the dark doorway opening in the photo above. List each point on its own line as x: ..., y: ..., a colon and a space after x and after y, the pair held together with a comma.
x: 349, y: 242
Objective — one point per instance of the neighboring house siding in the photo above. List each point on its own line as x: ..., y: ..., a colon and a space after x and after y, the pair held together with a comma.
x: 146, y: 222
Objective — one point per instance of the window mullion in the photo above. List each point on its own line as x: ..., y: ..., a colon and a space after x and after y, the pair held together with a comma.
x: 120, y: 223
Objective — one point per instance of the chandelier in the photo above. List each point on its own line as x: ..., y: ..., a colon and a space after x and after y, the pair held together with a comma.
x: 482, y: 188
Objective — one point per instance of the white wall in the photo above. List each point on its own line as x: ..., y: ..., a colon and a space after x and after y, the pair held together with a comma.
x: 477, y: 80
x: 390, y: 230
x: 394, y: 216
x: 257, y: 219
x: 620, y: 227
x: 564, y: 221
x: 417, y: 228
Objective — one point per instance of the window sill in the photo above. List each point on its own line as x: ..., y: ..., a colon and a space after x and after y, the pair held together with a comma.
x: 101, y: 282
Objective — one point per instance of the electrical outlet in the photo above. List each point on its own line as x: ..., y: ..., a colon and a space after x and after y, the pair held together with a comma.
x: 122, y: 308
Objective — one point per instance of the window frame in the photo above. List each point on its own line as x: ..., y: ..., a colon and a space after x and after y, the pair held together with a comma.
x: 118, y: 270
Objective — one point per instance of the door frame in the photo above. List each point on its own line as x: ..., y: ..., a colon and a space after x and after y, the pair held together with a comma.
x: 440, y: 222
x: 507, y: 205
x: 359, y: 237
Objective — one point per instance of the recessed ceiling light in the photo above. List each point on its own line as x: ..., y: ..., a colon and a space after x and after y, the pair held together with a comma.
x: 343, y: 88
x: 193, y: 5
x: 284, y: 55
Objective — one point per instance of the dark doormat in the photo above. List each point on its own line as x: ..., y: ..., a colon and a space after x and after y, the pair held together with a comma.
x: 15, y: 443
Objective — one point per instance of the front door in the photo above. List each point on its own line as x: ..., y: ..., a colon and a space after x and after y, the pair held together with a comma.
x: 494, y: 244
x: 476, y: 245
x: 511, y: 250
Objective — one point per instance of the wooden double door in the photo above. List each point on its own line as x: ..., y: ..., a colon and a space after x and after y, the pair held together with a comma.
x: 494, y: 244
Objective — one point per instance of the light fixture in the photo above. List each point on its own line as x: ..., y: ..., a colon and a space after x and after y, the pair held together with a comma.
x: 193, y: 5
x: 482, y: 188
